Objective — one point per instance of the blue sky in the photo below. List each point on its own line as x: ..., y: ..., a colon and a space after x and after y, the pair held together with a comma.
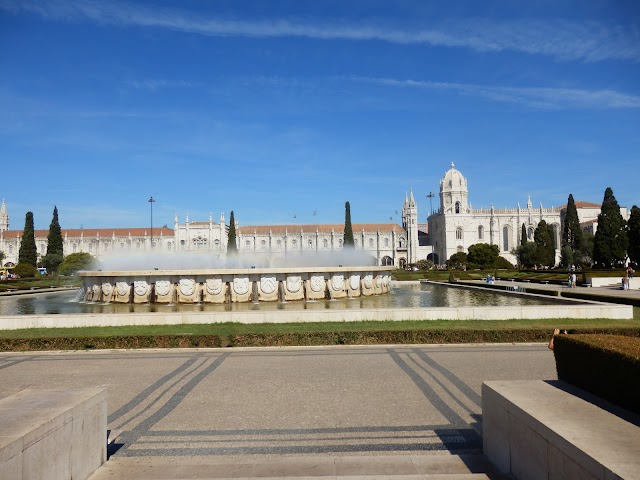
x: 276, y: 109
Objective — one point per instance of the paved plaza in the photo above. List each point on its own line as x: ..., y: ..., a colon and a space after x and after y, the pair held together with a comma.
x: 222, y: 404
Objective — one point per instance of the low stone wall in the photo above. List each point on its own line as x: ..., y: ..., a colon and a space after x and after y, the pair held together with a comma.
x: 533, y: 430
x: 53, y: 433
x: 570, y: 310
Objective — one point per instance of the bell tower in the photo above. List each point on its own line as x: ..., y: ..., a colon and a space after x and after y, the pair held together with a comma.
x: 4, y: 217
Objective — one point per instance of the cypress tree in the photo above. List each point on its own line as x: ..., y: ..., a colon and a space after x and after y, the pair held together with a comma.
x: 523, y: 235
x: 54, y: 239
x: 633, y: 229
x: 545, y: 250
x: 348, y: 229
x: 232, y: 246
x: 571, y: 232
x: 28, y: 253
x: 611, y: 241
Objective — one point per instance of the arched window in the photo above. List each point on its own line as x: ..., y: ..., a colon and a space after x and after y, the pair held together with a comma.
x: 460, y: 249
x: 263, y: 244
x: 387, y: 261
x: 401, y: 243
x: 459, y: 233
x: 121, y: 245
x: 216, y: 242
x: 480, y: 232
x: 10, y: 249
x: 371, y: 243
x: 168, y: 245
x: 340, y: 242
x: 355, y: 242
x: 386, y: 244
x: 247, y: 243
x: 530, y: 233
x: 75, y: 248
x: 506, y: 238
x: 279, y: 243
x: 294, y: 242
x: 310, y: 243
x: 325, y: 243
x: 138, y: 245
x: 457, y: 207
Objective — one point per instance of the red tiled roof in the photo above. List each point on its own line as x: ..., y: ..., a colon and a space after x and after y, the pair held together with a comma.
x: 321, y: 228
x: 95, y: 232
x: 585, y: 205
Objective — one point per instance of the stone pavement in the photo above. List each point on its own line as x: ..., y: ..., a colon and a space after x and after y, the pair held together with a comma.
x: 247, y: 406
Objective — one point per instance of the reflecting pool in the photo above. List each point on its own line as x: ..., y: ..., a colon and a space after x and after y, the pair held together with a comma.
x: 403, y: 296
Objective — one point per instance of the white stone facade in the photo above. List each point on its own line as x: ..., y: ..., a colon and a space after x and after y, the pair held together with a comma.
x: 456, y: 225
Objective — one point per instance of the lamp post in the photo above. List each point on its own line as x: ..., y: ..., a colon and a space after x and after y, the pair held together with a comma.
x: 151, y: 202
x: 430, y: 196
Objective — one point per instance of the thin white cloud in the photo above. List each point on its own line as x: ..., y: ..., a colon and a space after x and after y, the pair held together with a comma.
x: 536, y: 97
x: 158, y: 84
x: 588, y: 41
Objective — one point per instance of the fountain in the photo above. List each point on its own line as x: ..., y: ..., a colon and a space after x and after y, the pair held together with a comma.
x: 234, y: 285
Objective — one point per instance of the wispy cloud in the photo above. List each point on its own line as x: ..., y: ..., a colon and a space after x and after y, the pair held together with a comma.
x: 157, y: 84
x: 536, y: 97
x: 588, y: 41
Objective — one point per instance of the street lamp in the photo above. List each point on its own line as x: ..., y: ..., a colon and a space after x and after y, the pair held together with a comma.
x: 151, y: 202
x: 430, y: 196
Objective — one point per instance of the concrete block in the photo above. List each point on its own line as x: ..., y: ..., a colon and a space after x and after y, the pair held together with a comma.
x: 528, y: 451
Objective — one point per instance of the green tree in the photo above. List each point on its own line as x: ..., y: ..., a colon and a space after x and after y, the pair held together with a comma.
x: 633, y: 230
x: 348, y: 229
x: 232, y: 246
x: 527, y: 254
x: 483, y: 255
x: 25, y: 270
x: 28, y: 253
x: 545, y: 249
x: 611, y: 241
x: 457, y: 261
x: 571, y: 234
x: 76, y: 261
x: 54, y: 255
x: 523, y: 235
x: 2, y: 257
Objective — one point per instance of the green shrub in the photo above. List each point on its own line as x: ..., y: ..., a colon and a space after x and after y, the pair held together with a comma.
x: 74, y: 262
x: 26, y: 270
x: 503, y: 263
x: 605, y: 365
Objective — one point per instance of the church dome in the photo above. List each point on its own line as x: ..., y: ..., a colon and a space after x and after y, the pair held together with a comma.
x: 453, y: 180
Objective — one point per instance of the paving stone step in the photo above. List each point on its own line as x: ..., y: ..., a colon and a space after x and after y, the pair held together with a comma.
x: 396, y: 467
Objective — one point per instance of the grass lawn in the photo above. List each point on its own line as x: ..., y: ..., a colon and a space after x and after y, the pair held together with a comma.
x: 230, y: 329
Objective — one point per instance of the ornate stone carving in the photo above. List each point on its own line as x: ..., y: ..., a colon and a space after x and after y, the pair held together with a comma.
x: 354, y: 282
x: 294, y: 283
x: 214, y: 286
x: 378, y: 281
x: 317, y: 283
x: 107, y: 289
x: 241, y: 285
x: 368, y: 281
x: 163, y: 287
x: 95, y: 289
x: 268, y: 284
x: 337, y: 282
x: 187, y: 286
x: 140, y: 287
x: 122, y: 288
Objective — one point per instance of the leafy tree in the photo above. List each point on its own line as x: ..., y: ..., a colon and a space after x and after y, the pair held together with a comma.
x: 76, y: 261
x: 527, y: 254
x: 348, y: 229
x: 457, y: 260
x: 503, y: 263
x: 611, y: 241
x: 586, y: 250
x: 25, y: 270
x: 571, y: 234
x: 28, y: 253
x: 633, y: 229
x: 545, y: 249
x: 483, y: 255
x: 52, y: 261
x: 232, y: 246
x: 424, y: 264
x: 2, y: 257
x: 523, y: 235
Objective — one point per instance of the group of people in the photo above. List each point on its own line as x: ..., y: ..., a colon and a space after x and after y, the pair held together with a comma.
x: 628, y: 275
x: 491, y: 280
x: 572, y: 280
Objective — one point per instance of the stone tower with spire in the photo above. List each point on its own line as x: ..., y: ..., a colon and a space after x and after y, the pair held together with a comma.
x: 4, y: 217
x: 410, y: 224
